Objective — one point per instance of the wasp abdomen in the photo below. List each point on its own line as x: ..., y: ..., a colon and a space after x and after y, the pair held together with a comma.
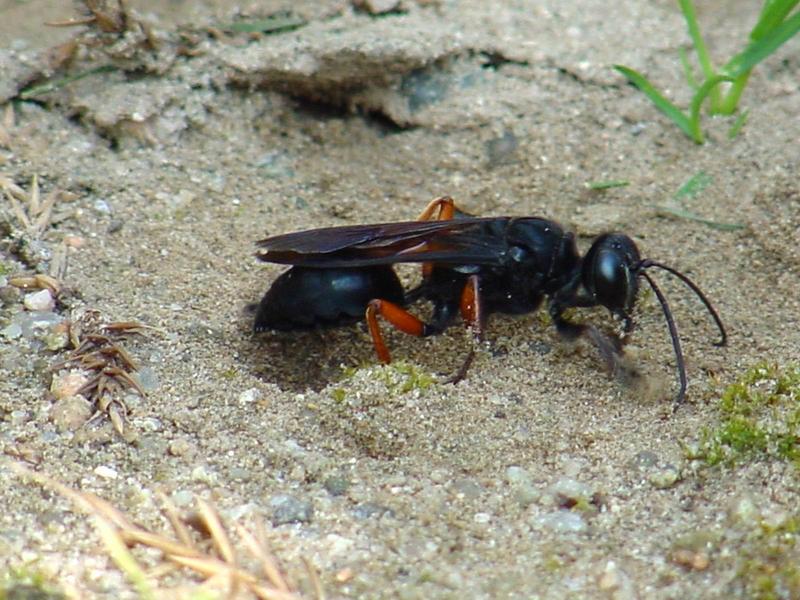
x: 306, y: 297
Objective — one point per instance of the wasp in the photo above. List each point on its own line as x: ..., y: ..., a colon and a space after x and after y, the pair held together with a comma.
x: 472, y: 267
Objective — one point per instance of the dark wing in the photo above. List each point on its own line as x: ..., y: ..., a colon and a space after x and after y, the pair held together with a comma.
x: 459, y: 241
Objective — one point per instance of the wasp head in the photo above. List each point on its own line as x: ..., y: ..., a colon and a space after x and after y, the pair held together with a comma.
x: 610, y: 272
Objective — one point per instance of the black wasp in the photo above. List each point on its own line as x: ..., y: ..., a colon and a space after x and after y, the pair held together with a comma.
x: 472, y: 266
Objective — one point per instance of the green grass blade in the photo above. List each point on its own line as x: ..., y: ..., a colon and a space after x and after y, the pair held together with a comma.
x: 738, y: 124
x: 697, y: 39
x: 681, y: 213
x: 661, y: 103
x: 731, y: 100
x: 693, y: 186
x: 760, y: 49
x: 773, y: 13
x: 55, y: 84
x: 697, y: 101
x: 605, y: 185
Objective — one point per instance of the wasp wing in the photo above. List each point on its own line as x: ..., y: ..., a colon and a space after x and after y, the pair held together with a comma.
x: 472, y: 240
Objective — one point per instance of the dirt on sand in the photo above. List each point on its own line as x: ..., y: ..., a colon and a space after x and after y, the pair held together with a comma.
x: 537, y: 477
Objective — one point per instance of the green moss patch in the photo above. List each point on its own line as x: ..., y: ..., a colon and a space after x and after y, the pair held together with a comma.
x: 760, y: 418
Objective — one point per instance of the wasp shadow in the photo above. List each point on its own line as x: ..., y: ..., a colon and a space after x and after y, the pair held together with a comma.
x: 302, y: 360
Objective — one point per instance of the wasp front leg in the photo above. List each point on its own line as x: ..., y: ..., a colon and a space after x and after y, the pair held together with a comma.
x: 610, y: 348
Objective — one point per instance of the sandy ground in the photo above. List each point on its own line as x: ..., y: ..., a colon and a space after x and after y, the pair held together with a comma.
x: 537, y: 476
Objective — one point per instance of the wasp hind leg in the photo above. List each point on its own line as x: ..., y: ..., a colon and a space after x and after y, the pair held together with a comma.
x: 404, y: 321
x: 444, y: 204
x: 399, y: 318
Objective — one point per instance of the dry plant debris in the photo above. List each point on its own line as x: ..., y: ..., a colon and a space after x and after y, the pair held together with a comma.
x: 38, y: 281
x: 97, y: 349
x: 34, y: 215
x: 110, y: 17
x: 31, y: 210
x: 111, y: 26
x: 211, y: 555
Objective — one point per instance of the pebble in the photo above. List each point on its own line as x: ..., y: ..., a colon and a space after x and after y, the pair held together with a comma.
x: 275, y: 165
x: 336, y: 485
x: 665, y: 478
x: 567, y: 492
x: 616, y: 582
x: 467, y: 488
x: 41, y: 300
x: 56, y: 340
x: 249, y: 396
x: 697, y: 561
x: 561, y: 521
x: 338, y: 545
x: 378, y: 7
x: 237, y: 513
x: 644, y: 460
x: 743, y: 509
x: 368, y: 510
x: 288, y: 509
x: 182, y: 447
x: 19, y: 417
x: 482, y: 518
x: 102, y: 207
x: 30, y: 322
x: 344, y: 575
x: 182, y: 498
x: 9, y: 295
x: 71, y: 413
x: 202, y: 474
x: 67, y: 384
x: 517, y: 475
x: 74, y: 241
x: 238, y: 473
x: 12, y: 331
x: 525, y: 492
x: 150, y: 424
x: 105, y: 472
x: 439, y: 476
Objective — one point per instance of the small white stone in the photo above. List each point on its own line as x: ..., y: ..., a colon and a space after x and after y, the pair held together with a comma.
x: 338, y: 545
x: 105, y: 472
x: 40, y: 301
x: 249, y: 396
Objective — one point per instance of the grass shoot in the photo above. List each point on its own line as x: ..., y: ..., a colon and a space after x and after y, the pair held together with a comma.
x: 722, y: 87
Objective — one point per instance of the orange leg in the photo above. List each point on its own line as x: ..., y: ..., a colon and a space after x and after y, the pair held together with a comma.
x: 399, y: 317
x: 446, y: 207
x: 471, y: 306
x: 443, y: 204
x: 473, y: 315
